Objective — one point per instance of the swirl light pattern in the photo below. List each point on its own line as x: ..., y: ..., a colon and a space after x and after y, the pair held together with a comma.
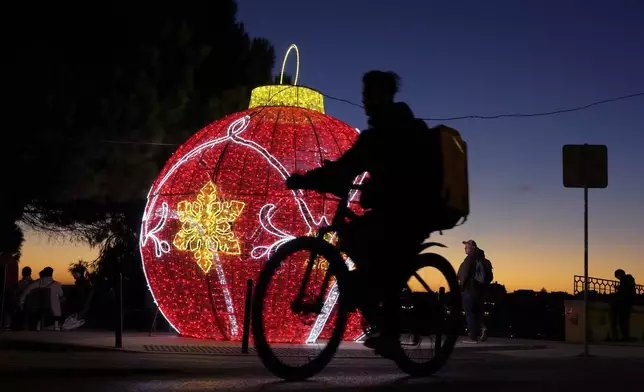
x: 222, y: 203
x: 243, y: 158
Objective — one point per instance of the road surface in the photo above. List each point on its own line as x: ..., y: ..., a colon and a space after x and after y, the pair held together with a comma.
x: 22, y: 370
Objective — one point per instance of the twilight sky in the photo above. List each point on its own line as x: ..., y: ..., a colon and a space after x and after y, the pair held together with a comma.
x: 486, y: 58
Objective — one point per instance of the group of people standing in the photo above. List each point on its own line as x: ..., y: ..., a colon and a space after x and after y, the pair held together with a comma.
x: 41, y: 303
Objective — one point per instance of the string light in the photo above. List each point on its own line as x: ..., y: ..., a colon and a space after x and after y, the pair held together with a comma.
x: 297, y: 63
x: 248, y: 172
x: 241, y: 161
x: 160, y: 246
x: 207, y: 226
x: 280, y: 95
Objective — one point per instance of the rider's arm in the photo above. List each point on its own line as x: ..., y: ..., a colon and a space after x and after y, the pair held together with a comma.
x: 338, y: 175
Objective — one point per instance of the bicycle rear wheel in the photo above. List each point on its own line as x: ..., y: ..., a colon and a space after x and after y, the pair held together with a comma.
x: 268, y: 352
x: 429, y: 316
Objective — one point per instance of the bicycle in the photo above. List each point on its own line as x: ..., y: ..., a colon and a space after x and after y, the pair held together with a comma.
x: 438, y: 313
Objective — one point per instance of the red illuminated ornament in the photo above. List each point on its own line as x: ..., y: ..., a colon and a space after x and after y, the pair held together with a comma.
x: 220, y: 207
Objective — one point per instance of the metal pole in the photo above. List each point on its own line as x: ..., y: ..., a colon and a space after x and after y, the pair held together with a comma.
x: 118, y: 332
x: 3, y: 293
x: 153, y: 327
x: 584, y: 176
x: 247, y: 312
x: 443, y: 323
x: 586, y: 285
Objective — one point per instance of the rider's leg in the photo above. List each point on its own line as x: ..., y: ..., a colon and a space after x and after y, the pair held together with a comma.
x: 387, y: 268
x: 378, y: 246
x: 356, y: 239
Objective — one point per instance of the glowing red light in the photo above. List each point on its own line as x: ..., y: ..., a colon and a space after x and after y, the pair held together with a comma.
x: 246, y: 156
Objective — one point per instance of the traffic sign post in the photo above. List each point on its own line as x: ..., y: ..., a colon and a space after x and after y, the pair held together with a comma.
x: 585, y: 166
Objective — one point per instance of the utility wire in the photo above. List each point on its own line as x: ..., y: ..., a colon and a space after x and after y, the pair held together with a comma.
x: 518, y: 115
x: 475, y: 117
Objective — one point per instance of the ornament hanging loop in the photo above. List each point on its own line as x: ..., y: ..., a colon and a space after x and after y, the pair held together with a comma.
x: 297, y: 63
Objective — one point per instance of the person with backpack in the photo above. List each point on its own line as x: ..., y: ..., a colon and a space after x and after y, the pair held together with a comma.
x: 42, y: 299
x: 484, y: 277
x: 474, y: 274
x: 402, y: 197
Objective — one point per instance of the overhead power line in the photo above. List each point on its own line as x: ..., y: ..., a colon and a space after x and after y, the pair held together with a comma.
x: 516, y: 115
x: 475, y: 117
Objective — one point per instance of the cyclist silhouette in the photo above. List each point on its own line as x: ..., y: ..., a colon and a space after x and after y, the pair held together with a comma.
x: 400, y: 197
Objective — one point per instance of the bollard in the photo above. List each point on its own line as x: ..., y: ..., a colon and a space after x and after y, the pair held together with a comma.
x: 153, y: 327
x: 118, y: 330
x: 3, y: 293
x: 441, y: 304
x: 247, y: 313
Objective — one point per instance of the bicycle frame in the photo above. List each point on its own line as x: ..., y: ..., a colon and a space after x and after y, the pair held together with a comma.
x: 343, y: 212
x: 339, y: 219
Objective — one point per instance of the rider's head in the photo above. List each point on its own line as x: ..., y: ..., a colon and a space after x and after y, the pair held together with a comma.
x: 378, y: 90
x: 469, y: 246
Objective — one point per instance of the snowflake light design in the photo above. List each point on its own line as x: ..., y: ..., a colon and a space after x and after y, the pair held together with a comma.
x: 207, y: 227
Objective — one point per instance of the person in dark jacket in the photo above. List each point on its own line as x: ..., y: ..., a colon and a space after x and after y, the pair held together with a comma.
x: 81, y: 298
x: 472, y: 291
x: 622, y: 305
x: 14, y: 311
x: 8, y: 283
x: 393, y: 150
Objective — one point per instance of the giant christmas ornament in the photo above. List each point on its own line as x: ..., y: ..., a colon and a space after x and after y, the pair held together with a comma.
x: 220, y: 207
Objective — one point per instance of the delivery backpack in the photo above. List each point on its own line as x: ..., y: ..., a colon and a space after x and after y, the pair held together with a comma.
x: 448, y: 174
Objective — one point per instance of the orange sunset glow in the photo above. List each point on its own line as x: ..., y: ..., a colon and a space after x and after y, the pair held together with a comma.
x: 520, y: 263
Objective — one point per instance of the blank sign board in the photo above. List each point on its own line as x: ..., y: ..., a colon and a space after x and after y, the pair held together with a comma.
x: 585, y: 166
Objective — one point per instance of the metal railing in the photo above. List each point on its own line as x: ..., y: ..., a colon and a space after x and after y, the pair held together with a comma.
x: 601, y: 286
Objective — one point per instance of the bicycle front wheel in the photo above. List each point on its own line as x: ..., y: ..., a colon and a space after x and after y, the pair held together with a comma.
x: 268, y: 333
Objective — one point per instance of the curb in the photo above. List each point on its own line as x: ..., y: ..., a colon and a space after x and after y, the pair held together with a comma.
x: 226, y: 351
x: 30, y: 345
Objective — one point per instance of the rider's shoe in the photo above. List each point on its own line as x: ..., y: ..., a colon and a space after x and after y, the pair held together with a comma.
x: 383, y: 346
x: 372, y: 341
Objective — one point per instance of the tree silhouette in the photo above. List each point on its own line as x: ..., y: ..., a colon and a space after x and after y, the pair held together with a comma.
x: 87, y: 91
x: 11, y: 240
x: 87, y: 265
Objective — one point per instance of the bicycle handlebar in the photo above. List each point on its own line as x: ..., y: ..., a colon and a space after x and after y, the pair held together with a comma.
x: 343, y: 209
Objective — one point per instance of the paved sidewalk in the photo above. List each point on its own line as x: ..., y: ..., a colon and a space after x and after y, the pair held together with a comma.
x: 170, y: 343
x: 563, y: 350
